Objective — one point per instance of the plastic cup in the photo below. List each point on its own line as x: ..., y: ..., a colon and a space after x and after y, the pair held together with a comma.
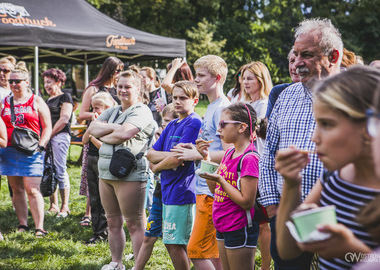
x: 208, y: 166
x: 161, y: 103
x: 307, y: 221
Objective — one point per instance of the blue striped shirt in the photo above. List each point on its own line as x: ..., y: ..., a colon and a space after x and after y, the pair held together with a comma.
x: 291, y: 123
x: 349, y: 199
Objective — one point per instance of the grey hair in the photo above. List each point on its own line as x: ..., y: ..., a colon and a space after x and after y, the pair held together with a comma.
x: 330, y: 36
x: 291, y: 52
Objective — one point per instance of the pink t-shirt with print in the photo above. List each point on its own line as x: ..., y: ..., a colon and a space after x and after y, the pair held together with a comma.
x: 227, y: 215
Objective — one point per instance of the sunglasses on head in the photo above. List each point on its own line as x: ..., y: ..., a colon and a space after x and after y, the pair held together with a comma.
x: 6, y: 71
x: 223, y: 123
x: 15, y: 81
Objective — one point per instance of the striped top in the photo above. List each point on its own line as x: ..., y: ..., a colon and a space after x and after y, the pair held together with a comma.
x: 348, y: 199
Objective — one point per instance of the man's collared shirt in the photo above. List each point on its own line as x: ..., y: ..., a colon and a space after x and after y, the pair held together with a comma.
x: 291, y: 123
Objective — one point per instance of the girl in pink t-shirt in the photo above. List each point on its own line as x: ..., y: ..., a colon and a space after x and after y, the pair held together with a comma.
x: 235, y: 186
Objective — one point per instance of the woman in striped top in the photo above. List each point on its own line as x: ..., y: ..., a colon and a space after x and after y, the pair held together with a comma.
x: 349, y: 180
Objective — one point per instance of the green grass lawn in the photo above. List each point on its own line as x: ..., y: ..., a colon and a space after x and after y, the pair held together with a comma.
x: 63, y: 247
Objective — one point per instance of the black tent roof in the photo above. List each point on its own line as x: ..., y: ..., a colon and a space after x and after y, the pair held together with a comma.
x: 70, y: 31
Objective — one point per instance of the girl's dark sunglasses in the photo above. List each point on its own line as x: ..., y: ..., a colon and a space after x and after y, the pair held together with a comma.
x: 223, y: 123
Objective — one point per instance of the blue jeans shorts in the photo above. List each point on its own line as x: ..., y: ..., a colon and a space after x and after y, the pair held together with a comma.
x: 154, y: 224
x: 245, y: 237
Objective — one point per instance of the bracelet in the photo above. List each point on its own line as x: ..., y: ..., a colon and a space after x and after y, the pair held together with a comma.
x: 41, y: 148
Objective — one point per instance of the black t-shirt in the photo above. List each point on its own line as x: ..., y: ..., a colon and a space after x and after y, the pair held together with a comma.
x: 112, y: 92
x: 55, y: 105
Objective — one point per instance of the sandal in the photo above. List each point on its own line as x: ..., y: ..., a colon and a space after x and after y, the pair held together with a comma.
x: 85, y: 221
x: 40, y: 233
x: 22, y: 228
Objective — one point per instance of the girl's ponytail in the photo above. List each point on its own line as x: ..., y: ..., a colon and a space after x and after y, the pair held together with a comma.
x: 261, y: 127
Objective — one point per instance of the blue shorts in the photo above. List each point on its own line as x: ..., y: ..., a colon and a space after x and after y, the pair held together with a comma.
x: 177, y: 223
x: 245, y: 237
x: 16, y: 163
x: 154, y: 224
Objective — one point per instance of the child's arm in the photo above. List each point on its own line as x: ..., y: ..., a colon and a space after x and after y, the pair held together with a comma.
x: 245, y: 197
x: 211, y: 185
x: 155, y: 156
x: 170, y: 162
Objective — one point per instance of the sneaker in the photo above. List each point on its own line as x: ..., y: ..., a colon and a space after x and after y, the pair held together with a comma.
x: 112, y: 266
x: 129, y: 257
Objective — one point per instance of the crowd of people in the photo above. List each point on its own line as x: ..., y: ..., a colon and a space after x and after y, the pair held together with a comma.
x: 280, y: 149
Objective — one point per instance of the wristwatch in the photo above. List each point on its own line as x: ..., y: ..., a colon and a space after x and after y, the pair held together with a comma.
x: 40, y: 148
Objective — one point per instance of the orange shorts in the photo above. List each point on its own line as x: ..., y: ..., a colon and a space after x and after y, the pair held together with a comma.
x: 202, y: 243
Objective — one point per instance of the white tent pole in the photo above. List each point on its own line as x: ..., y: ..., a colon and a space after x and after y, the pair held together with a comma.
x: 85, y: 74
x: 36, y: 77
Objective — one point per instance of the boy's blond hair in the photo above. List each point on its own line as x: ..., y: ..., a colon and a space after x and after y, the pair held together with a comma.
x: 104, y: 98
x: 214, y: 64
x: 190, y: 88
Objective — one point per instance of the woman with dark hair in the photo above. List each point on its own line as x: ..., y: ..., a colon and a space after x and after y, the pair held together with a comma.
x: 24, y: 171
x: 178, y: 70
x: 61, y: 107
x: 105, y: 81
x: 237, y: 93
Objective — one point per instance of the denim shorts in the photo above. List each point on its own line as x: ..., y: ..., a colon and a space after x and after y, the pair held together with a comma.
x: 245, y: 237
x: 16, y: 163
x: 154, y: 224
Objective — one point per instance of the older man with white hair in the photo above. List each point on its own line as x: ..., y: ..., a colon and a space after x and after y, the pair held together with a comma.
x: 318, y: 50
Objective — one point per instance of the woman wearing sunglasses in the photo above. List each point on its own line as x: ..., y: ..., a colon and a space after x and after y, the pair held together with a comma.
x: 7, y: 64
x: 24, y: 171
x: 105, y: 81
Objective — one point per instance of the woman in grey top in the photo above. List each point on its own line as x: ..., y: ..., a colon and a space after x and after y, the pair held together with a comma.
x: 129, y: 126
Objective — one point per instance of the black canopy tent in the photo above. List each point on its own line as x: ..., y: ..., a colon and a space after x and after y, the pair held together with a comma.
x: 72, y: 31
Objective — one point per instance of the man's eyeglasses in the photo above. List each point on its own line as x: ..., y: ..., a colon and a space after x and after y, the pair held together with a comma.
x: 5, y: 71
x: 15, y: 81
x: 223, y: 123
x: 373, y: 123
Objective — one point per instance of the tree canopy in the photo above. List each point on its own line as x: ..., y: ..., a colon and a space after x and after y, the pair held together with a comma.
x: 241, y: 31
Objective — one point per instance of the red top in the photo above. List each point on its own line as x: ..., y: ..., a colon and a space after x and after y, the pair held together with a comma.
x: 26, y: 116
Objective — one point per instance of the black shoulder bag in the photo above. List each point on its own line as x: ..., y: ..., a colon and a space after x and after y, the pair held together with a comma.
x: 123, y: 161
x: 49, y: 181
x: 23, y: 139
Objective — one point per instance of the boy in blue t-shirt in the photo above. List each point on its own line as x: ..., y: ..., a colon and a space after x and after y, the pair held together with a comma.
x: 177, y: 176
